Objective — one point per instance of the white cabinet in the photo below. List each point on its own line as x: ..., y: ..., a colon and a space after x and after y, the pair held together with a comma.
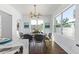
x: 25, y: 46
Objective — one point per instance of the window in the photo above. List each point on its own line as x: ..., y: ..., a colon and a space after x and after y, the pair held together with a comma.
x: 68, y: 22
x: 40, y: 22
x: 37, y: 24
x: 40, y: 25
x: 58, y: 24
x: 65, y: 22
x: 33, y: 22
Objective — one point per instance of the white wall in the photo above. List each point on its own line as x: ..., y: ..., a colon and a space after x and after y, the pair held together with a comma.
x: 75, y: 48
x: 65, y: 42
x: 21, y: 28
x: 6, y: 25
x: 47, y: 19
x: 15, y: 16
x: 60, y: 9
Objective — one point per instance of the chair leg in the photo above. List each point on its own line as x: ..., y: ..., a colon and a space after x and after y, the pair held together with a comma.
x: 21, y: 50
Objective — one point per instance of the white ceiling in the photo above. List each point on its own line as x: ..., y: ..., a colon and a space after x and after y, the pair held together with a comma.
x: 44, y: 9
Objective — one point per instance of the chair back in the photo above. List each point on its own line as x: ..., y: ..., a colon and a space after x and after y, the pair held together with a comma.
x: 39, y: 37
x: 27, y: 36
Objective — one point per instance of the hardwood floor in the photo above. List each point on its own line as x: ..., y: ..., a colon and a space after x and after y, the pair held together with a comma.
x: 55, y: 49
x: 42, y: 48
x: 36, y: 48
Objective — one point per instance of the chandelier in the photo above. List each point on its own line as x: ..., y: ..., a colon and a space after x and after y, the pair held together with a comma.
x: 34, y: 14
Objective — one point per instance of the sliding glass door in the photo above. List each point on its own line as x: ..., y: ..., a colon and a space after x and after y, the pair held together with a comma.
x: 65, y: 22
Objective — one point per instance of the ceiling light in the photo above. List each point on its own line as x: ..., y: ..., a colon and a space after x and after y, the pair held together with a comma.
x: 34, y: 13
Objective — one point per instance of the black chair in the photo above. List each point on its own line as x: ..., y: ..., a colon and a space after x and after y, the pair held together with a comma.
x: 20, y: 51
x: 39, y: 38
x: 27, y: 36
x: 16, y: 52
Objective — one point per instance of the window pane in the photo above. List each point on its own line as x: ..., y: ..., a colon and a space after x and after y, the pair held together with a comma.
x: 58, y: 24
x: 33, y: 22
x: 68, y: 22
x: 40, y: 25
x: 40, y: 22
x: 37, y: 24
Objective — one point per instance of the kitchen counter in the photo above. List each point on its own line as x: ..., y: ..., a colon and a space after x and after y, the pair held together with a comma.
x: 14, y: 45
x: 11, y: 44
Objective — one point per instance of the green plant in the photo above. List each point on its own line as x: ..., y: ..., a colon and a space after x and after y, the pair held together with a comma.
x: 65, y: 23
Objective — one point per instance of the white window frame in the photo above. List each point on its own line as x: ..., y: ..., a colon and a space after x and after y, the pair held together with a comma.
x: 61, y: 13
